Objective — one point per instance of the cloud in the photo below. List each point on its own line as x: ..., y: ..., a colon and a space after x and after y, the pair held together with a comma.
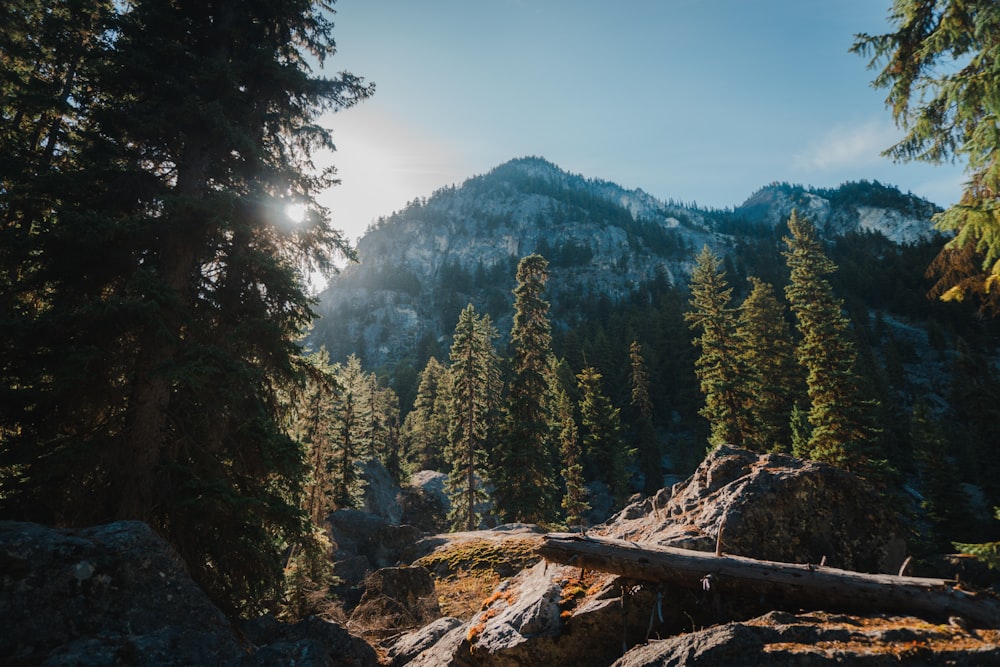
x: 848, y: 146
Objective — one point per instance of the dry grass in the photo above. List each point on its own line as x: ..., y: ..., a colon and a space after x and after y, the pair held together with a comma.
x: 461, y: 595
x: 868, y: 636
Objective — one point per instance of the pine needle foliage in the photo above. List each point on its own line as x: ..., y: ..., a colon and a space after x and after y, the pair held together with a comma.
x: 525, y: 464
x: 425, y: 428
x: 151, y: 288
x: 474, y: 401
x: 719, y: 368
x: 600, y: 424
x: 842, y: 429
x: 772, y: 375
x: 574, y: 502
x: 940, y: 66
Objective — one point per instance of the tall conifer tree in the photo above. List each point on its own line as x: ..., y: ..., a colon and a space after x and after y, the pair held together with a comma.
x: 153, y: 287
x: 350, y: 441
x: 574, y: 502
x: 525, y: 465
x: 600, y: 422
x: 425, y: 428
x: 772, y: 376
x: 644, y: 433
x: 474, y: 399
x: 719, y: 368
x: 842, y: 427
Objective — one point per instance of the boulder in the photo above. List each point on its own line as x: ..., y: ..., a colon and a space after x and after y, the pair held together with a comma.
x: 424, y: 502
x: 111, y: 594
x: 404, y: 649
x: 772, y: 507
x: 361, y: 535
x: 118, y: 594
x: 545, y: 615
x: 769, y: 506
x: 312, y: 642
x: 381, y: 494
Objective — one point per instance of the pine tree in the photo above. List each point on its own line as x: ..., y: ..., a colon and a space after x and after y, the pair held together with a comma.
x: 525, y: 465
x: 842, y: 431
x: 718, y: 368
x: 351, y: 446
x: 644, y: 433
x: 153, y: 287
x: 310, y: 411
x: 425, y: 428
x: 949, y: 111
x: 474, y: 397
x: 772, y: 376
x: 574, y: 501
x: 600, y: 423
x: 801, y: 431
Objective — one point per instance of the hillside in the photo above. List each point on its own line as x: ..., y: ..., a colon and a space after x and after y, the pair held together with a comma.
x: 418, y: 267
x: 620, y: 261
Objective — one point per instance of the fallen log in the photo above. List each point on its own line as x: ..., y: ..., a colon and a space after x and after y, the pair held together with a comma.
x: 807, y: 586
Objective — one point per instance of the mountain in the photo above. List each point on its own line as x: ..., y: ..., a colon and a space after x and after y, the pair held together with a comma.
x: 418, y: 267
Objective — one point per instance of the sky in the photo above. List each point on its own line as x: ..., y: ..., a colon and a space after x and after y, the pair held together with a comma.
x: 700, y: 101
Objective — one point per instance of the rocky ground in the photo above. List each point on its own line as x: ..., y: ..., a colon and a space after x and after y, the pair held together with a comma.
x: 116, y: 594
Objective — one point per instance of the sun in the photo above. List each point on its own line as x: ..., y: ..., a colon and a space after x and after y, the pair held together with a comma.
x: 296, y: 212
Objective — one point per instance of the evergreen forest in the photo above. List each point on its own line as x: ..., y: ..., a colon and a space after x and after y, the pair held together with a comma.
x: 164, y: 360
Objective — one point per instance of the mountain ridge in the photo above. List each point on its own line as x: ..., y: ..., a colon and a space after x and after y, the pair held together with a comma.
x: 420, y: 265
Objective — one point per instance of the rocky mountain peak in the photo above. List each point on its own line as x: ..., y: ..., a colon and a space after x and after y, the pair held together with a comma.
x: 421, y: 265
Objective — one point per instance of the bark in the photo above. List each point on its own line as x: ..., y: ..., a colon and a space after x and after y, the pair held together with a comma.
x: 807, y: 586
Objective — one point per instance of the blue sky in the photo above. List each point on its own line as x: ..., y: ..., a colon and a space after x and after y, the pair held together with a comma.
x: 697, y: 100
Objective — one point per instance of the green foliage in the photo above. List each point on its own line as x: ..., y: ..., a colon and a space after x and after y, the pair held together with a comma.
x: 940, y: 64
x: 988, y: 552
x: 525, y: 460
x: 473, y: 404
x: 425, y: 429
x: 643, y: 432
x: 152, y: 289
x: 719, y: 368
x: 842, y: 431
x: 600, y: 423
x: 945, y: 503
x: 772, y: 376
x: 574, y: 501
x: 309, y: 578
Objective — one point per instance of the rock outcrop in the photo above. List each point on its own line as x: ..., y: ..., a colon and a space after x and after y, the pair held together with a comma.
x: 769, y: 506
x: 118, y: 594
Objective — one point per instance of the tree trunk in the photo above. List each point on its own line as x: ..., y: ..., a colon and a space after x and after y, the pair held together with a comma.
x: 808, y: 586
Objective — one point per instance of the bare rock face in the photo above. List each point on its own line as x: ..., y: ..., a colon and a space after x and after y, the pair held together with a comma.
x: 403, y: 650
x: 366, y: 542
x: 424, y: 502
x: 102, y: 595
x: 773, y: 507
x: 820, y: 639
x: 545, y: 615
x: 382, y: 494
x: 770, y: 506
x: 117, y: 594
x: 312, y: 642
